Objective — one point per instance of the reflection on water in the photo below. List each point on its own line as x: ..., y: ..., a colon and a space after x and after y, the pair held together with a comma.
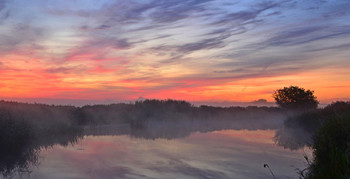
x: 154, y: 129
x: 149, y: 139
x: 21, y: 145
x: 293, y: 138
x: 186, y: 149
x: 219, y: 154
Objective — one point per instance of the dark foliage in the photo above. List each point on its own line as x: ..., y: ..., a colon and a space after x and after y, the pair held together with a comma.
x: 27, y: 128
x: 298, y: 130
x: 295, y: 98
x: 49, y: 116
x: 332, y: 149
x: 327, y: 131
x: 16, y: 151
x: 332, y: 144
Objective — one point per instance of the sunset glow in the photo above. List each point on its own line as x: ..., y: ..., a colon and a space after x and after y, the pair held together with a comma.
x: 190, y: 50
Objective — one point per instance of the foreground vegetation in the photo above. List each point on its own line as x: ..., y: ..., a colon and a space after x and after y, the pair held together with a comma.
x: 329, y: 129
x: 26, y: 129
x: 332, y: 149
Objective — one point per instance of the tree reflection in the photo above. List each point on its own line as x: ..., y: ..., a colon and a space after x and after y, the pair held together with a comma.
x: 293, y: 139
x: 16, y: 152
x: 21, y: 144
x: 162, y: 129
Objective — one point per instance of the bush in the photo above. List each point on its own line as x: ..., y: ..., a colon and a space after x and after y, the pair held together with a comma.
x: 332, y: 149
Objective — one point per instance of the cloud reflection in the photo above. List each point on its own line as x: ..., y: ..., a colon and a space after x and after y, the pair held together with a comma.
x: 201, y: 155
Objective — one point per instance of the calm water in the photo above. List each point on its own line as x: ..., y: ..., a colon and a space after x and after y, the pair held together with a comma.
x: 219, y: 154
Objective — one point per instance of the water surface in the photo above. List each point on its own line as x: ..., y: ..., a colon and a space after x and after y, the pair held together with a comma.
x: 218, y: 154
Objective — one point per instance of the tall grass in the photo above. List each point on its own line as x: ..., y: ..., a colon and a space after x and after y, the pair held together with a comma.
x: 331, y: 144
x: 331, y: 150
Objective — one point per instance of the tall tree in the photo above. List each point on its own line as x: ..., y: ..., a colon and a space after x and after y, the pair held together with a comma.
x: 295, y: 98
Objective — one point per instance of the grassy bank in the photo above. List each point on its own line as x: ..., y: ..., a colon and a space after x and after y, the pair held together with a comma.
x: 330, y: 129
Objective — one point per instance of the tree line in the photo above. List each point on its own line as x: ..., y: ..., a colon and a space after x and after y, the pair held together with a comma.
x: 26, y: 128
x: 328, y: 130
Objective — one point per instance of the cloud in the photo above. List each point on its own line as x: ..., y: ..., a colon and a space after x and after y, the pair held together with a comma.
x: 119, y: 21
x: 22, y: 38
x: 111, y: 172
x: 4, y: 12
x: 231, y: 24
x: 172, y: 11
x: 180, y: 167
x: 58, y: 70
x: 245, y: 17
x: 66, y: 70
x: 97, y: 48
x: 123, y: 12
x: 335, y: 10
x: 169, y: 45
x: 306, y: 35
x: 2, y: 5
x: 291, y: 37
x: 273, y: 64
x: 178, y: 52
x: 115, y: 18
x: 334, y: 47
x: 215, y: 42
x: 239, y: 17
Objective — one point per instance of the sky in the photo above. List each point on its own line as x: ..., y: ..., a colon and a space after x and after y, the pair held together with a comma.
x: 195, y: 50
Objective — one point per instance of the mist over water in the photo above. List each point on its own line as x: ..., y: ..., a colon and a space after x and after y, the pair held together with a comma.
x: 220, y: 154
x: 204, y: 149
x: 154, y: 139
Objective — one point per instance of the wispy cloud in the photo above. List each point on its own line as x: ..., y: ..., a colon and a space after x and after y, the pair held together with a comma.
x: 20, y: 38
x: 167, y: 47
x: 306, y: 35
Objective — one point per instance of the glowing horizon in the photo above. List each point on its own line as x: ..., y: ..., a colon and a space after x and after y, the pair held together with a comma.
x: 189, y: 50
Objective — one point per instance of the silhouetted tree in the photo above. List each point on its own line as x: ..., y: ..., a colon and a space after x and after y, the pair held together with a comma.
x: 295, y: 98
